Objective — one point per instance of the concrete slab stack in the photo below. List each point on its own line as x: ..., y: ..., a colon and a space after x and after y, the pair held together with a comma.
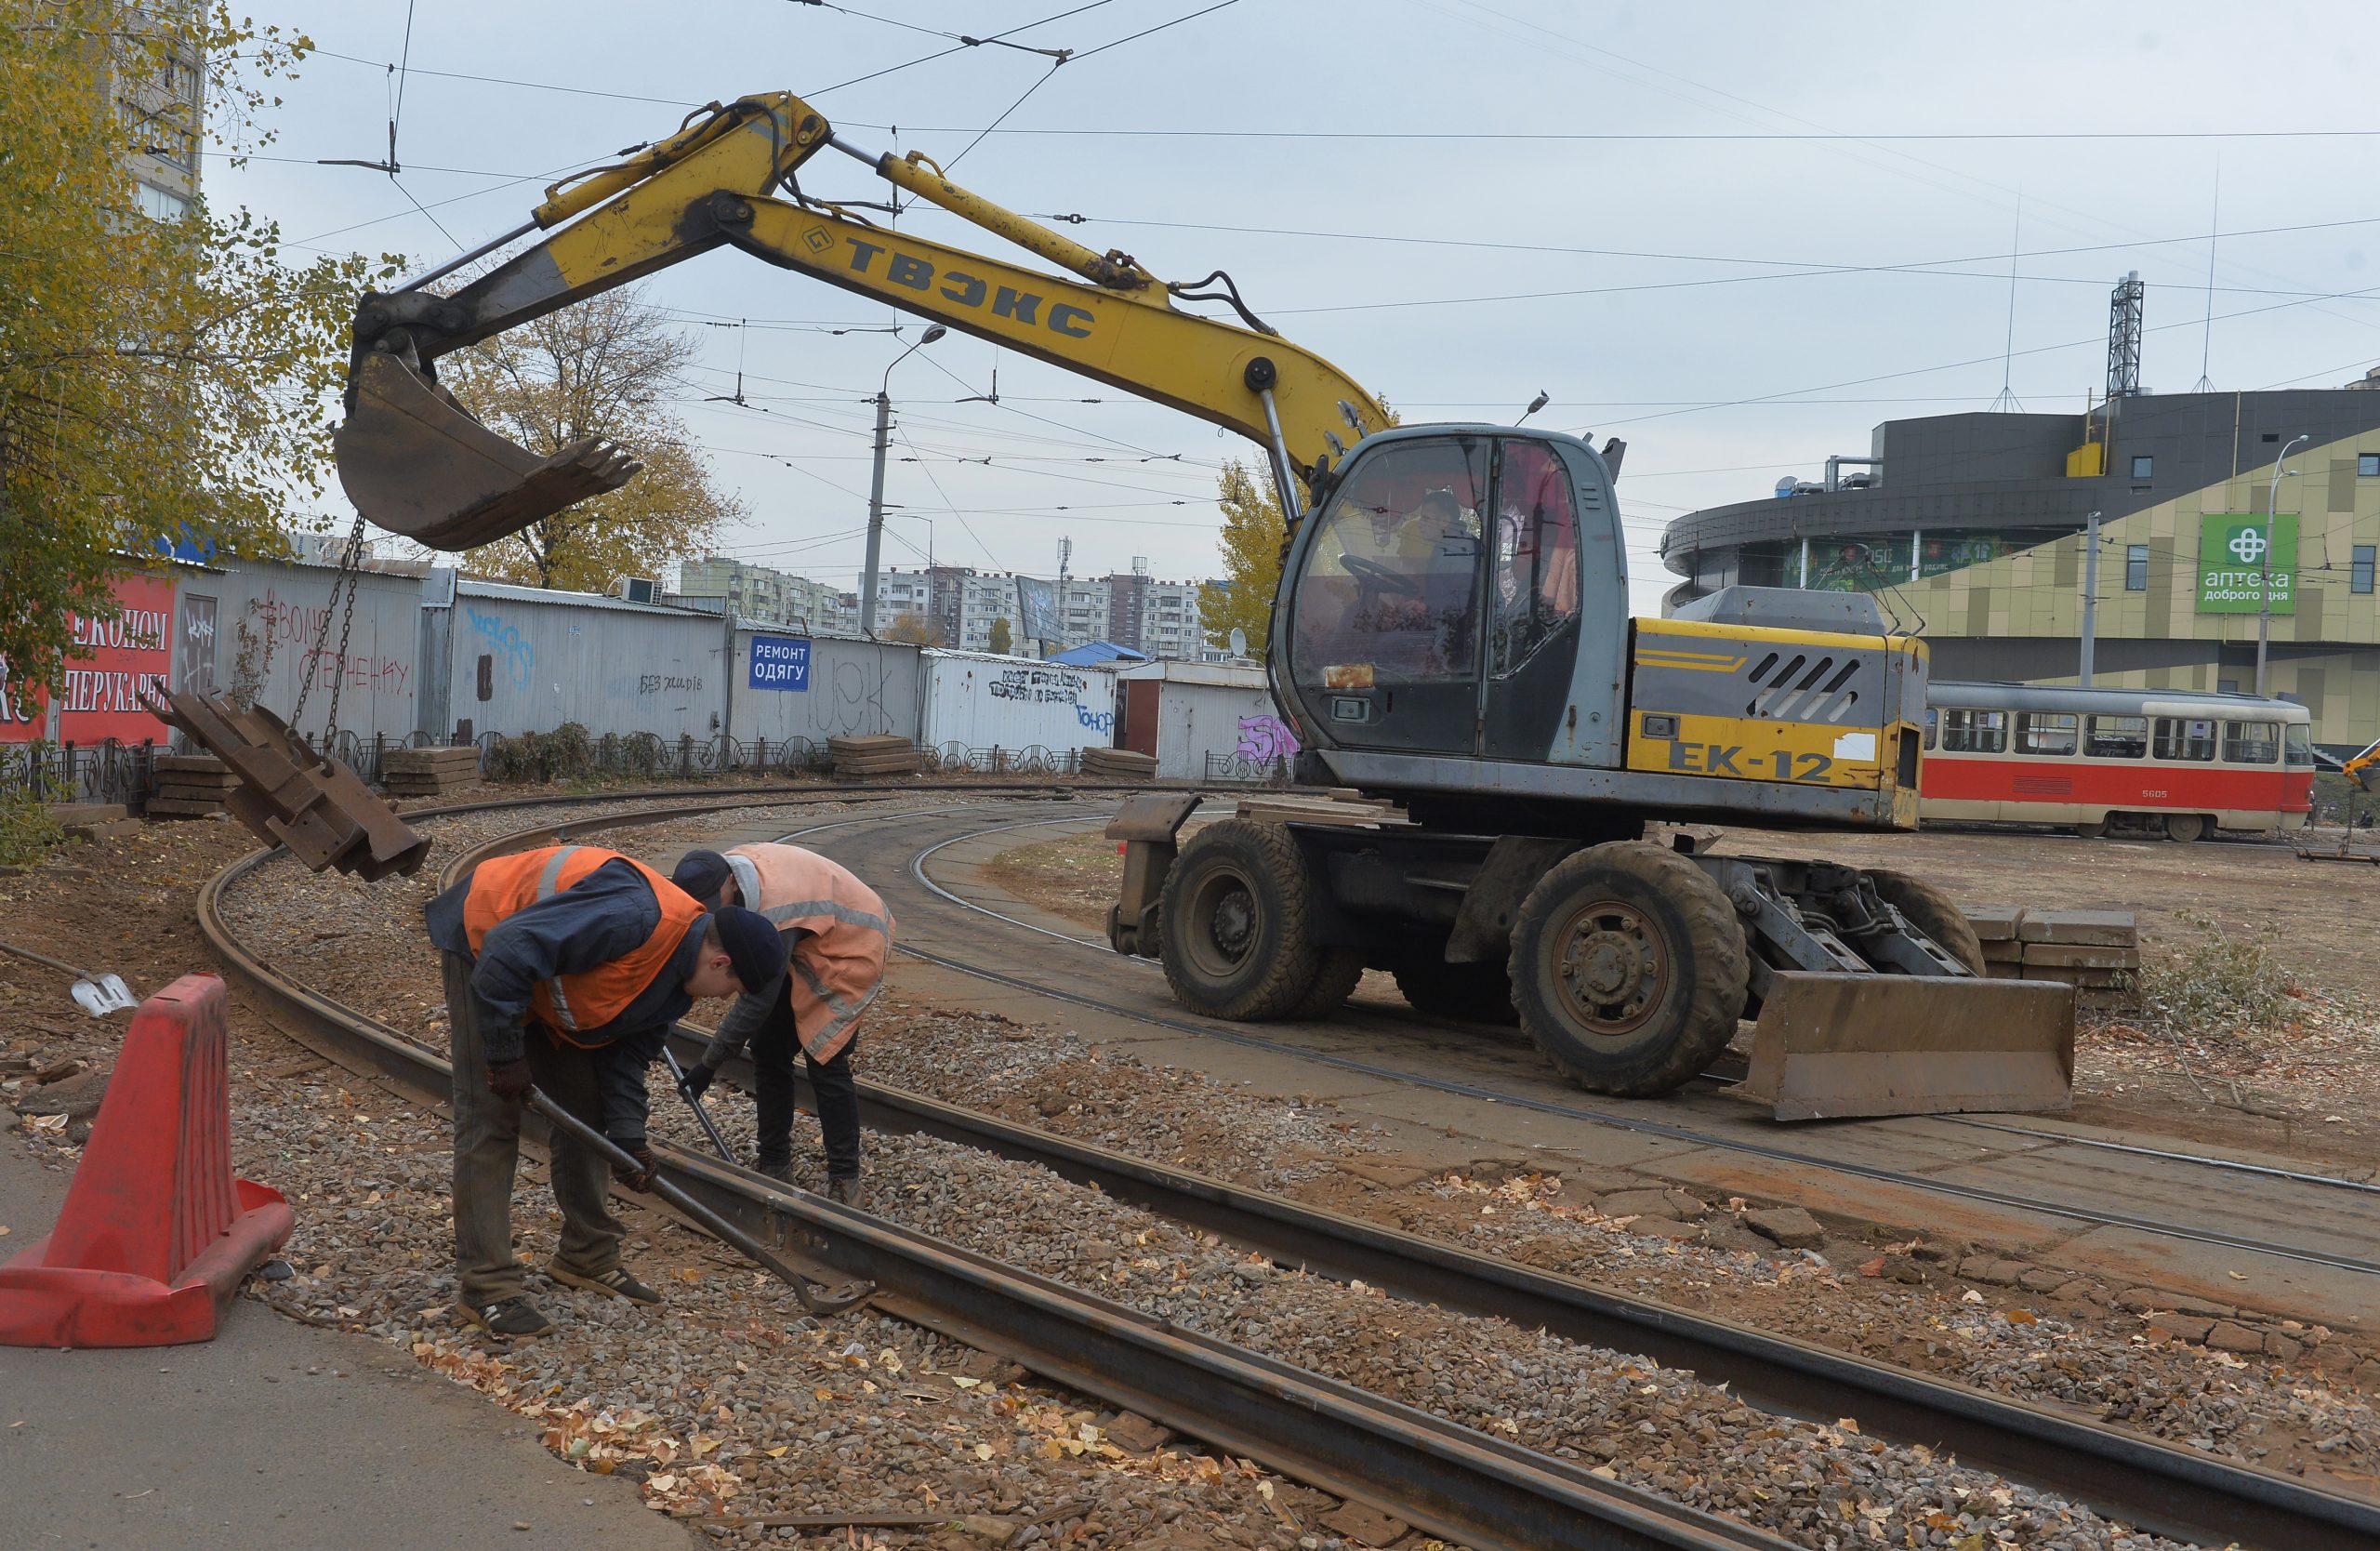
x: 189, y: 786
x: 2097, y: 953
x: 428, y: 772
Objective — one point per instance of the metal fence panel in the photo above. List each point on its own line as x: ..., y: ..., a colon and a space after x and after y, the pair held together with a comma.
x: 852, y: 689
x: 529, y: 663
x: 266, y: 617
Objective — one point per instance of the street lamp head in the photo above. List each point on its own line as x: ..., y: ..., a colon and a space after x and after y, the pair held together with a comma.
x: 930, y: 335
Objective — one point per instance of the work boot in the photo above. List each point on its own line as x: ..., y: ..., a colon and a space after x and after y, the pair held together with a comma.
x: 844, y: 1191
x: 781, y: 1171
x: 616, y: 1281
x: 515, y: 1318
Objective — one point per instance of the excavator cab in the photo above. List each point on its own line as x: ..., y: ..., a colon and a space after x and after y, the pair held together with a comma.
x: 1459, y: 590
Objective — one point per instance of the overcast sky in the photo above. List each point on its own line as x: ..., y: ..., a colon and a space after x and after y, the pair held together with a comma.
x: 1736, y: 235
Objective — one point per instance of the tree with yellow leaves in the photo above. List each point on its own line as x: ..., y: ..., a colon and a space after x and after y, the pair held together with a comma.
x: 1253, y: 537
x: 164, y: 376
x: 602, y: 367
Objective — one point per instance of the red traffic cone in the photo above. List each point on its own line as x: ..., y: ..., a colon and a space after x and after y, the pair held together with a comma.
x: 156, y: 1234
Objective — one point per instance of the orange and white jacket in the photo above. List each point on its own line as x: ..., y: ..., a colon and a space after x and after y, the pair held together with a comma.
x: 842, y: 932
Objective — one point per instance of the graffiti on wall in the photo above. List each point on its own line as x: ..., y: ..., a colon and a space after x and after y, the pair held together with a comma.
x: 507, y: 642
x: 1264, y: 740
x: 1040, y: 686
x: 299, y: 627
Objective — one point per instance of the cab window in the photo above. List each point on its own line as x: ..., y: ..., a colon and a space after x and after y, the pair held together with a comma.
x: 1390, y: 588
x: 2184, y: 737
x: 1975, y: 732
x: 2251, y: 742
x: 2299, y: 745
x: 2048, y: 733
x: 1536, y: 594
x: 2117, y: 738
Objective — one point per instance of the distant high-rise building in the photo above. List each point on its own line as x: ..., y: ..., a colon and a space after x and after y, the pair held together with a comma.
x: 1128, y: 608
x: 162, y: 102
x: 766, y: 595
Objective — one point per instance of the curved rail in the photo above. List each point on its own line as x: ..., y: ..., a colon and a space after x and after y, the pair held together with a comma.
x: 1450, y: 1480
x: 2174, y: 1492
x: 1667, y: 1130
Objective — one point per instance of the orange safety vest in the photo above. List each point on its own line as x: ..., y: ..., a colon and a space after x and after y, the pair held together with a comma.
x: 836, y: 971
x: 503, y: 885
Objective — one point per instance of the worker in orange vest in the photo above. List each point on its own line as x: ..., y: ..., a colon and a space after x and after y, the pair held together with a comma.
x: 839, y: 933
x: 565, y: 967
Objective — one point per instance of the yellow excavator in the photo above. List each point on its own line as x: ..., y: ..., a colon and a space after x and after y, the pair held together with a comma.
x: 1452, y: 642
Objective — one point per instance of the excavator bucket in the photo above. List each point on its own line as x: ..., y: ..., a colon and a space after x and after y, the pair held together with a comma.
x: 416, y: 463
x: 1829, y: 1045
x: 290, y: 795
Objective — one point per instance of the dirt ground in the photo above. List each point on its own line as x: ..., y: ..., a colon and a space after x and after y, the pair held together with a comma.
x: 2308, y: 1084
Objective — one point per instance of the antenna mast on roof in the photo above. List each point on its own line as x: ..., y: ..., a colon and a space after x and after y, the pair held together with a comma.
x: 2124, y: 307
x: 2213, y: 225
x: 2007, y: 399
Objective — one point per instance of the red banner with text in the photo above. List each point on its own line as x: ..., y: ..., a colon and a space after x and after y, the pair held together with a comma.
x: 100, y: 698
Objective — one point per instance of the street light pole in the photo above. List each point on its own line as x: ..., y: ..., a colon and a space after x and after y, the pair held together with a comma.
x: 2264, y: 610
x: 875, y: 484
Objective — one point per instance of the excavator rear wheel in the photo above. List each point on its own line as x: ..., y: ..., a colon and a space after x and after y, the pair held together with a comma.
x: 1481, y: 992
x: 1932, y: 912
x: 1629, y: 968
x: 1237, y: 928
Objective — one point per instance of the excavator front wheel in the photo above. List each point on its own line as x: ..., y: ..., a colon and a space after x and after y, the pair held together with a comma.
x: 1628, y: 968
x: 1237, y: 926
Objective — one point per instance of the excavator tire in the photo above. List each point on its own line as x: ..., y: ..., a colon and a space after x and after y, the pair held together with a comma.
x: 1628, y: 968
x: 1237, y: 927
x: 1481, y: 992
x: 1930, y: 910
x: 1334, y: 984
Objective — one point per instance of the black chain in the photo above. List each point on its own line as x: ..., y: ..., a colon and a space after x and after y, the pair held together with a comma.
x: 350, y: 563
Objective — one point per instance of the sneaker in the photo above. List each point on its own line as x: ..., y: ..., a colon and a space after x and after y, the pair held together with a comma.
x: 844, y: 1192
x: 781, y: 1172
x: 616, y: 1281
x: 515, y: 1318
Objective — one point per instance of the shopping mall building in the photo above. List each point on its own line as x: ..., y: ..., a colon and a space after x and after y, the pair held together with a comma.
x: 1969, y: 530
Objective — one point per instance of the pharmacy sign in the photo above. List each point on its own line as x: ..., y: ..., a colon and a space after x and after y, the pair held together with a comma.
x: 2231, y: 562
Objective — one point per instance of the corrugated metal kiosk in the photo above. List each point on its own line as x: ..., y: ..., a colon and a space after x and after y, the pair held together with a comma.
x: 1204, y: 721
x: 974, y: 700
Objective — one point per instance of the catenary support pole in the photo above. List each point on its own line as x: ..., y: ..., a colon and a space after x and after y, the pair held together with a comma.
x: 2264, y: 608
x: 875, y: 516
x: 2090, y: 599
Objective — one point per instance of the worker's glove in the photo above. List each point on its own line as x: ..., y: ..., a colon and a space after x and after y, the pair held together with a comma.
x: 700, y: 1078
x: 641, y: 1178
x: 511, y: 1080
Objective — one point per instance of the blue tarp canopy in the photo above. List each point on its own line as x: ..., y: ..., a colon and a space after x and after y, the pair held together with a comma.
x: 1096, y: 653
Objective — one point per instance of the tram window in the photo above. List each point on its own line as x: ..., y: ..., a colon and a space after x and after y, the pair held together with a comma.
x: 2117, y: 738
x: 2045, y: 733
x: 2251, y: 742
x: 1975, y: 732
x: 2299, y: 745
x: 2184, y: 737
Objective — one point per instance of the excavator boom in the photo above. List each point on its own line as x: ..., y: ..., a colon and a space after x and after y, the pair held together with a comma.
x: 416, y: 462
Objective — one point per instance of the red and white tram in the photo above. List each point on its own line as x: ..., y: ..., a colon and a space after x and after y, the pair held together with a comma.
x: 2170, y: 762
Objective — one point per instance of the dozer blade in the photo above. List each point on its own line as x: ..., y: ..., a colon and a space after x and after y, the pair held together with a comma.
x: 290, y: 795
x: 1830, y: 1045
x: 416, y: 462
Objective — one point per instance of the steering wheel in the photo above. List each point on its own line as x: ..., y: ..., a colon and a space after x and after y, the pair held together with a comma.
x: 1376, y: 575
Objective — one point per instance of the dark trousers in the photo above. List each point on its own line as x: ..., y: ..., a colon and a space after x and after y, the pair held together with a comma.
x: 773, y: 1048
x: 487, y: 1145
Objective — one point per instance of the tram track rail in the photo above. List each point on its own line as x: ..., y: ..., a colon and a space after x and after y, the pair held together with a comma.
x: 1179, y: 1379
x: 1449, y: 1481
